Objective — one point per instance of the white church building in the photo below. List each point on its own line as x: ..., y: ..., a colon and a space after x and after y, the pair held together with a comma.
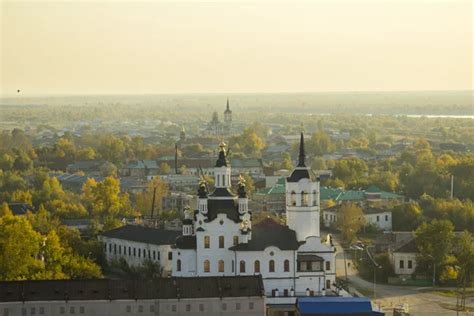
x: 219, y: 238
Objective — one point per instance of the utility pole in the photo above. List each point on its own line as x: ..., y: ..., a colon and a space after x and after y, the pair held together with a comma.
x: 153, y: 202
x: 452, y: 187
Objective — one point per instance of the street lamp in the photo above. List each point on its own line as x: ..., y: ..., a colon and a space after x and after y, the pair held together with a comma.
x: 434, y: 269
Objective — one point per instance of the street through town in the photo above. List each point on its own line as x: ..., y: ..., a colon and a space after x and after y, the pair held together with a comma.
x: 420, y: 300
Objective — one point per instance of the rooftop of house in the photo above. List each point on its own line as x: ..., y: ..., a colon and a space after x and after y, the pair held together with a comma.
x: 143, y: 234
x: 19, y: 208
x: 269, y: 233
x: 409, y: 247
x: 105, y: 289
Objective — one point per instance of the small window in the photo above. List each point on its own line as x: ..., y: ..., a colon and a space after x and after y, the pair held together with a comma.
x: 173, y: 308
x: 152, y: 308
x: 134, y: 252
x: 41, y: 310
x: 149, y: 254
x: 236, y: 240
x: 139, y: 252
x: 158, y: 255
x: 410, y: 264
x: 178, y: 265
x: 256, y: 266
x: 378, y: 218
x: 6, y: 312
x: 62, y: 310
x: 129, y: 251
x: 120, y: 249
x: 221, y: 266
x: 224, y: 306
x: 251, y: 305
x: 82, y: 309
x: 242, y: 266
x: 207, y: 242
x: 402, y: 264
x: 221, y: 241
x: 293, y: 198
x: 23, y: 311
x: 72, y: 310
x: 140, y: 308
x: 271, y: 266
x: 233, y: 266
x: 328, y: 265
x: 286, y: 266
x: 237, y: 306
x: 33, y: 311
x: 188, y: 307
x: 110, y: 248
x: 304, y: 198
x: 308, y: 266
x: 170, y: 255
x: 201, y: 307
x: 386, y: 218
x: 154, y: 255
x: 207, y: 267
x: 128, y: 309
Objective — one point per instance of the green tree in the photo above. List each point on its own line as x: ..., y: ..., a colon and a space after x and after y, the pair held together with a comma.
x: 350, y: 220
x: 6, y: 162
x: 320, y: 144
x: 165, y: 168
x: 144, y: 200
x: 19, y: 249
x: 434, y: 241
x: 464, y: 253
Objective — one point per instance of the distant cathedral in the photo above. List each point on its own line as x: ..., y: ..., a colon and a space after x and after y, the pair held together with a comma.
x: 217, y: 128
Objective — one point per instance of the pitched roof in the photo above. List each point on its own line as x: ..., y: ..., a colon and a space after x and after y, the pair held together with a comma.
x: 105, y: 289
x: 409, y: 247
x: 143, y: 234
x: 20, y: 208
x: 269, y: 233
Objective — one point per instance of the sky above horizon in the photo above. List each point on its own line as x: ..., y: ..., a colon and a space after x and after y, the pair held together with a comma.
x: 109, y: 47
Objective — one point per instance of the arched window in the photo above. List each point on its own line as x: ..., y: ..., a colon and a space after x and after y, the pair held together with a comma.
x: 242, y: 266
x: 271, y: 266
x: 293, y: 198
x: 178, y: 265
x: 314, y: 198
x: 286, y: 266
x: 256, y: 266
x: 207, y: 266
x: 221, y: 266
x: 304, y: 198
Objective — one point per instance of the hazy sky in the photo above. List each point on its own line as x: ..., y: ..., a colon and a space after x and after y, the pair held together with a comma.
x: 110, y: 47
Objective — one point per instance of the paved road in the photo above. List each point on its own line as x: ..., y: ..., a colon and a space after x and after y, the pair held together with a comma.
x: 420, y: 303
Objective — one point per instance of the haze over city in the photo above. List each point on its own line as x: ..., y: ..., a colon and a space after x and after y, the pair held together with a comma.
x: 152, y: 47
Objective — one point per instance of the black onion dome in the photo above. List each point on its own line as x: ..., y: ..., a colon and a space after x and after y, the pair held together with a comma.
x: 222, y: 160
x: 241, y: 191
x: 187, y: 221
x: 202, y: 191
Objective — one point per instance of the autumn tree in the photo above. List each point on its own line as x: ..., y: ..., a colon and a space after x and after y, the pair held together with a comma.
x: 144, y: 200
x: 350, y: 219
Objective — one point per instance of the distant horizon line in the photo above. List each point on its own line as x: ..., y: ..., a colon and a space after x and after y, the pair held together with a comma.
x: 19, y: 95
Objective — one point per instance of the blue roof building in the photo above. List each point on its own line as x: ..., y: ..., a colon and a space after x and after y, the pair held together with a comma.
x: 325, y: 305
